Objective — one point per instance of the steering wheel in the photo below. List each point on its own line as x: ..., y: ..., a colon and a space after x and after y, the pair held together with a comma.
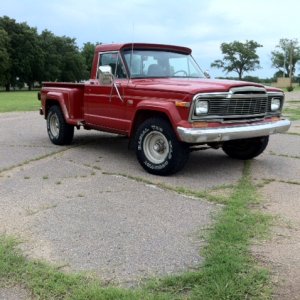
x: 181, y: 71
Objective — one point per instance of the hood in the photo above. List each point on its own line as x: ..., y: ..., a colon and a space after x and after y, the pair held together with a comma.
x: 190, y: 86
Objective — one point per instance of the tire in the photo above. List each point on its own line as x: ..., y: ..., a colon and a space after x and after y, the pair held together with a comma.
x: 59, y: 132
x: 246, y: 148
x: 157, y: 148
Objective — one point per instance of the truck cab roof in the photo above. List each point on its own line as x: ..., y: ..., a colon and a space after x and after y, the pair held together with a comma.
x: 118, y: 47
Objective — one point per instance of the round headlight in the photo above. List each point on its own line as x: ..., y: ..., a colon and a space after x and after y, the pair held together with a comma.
x: 275, y: 104
x: 201, y: 107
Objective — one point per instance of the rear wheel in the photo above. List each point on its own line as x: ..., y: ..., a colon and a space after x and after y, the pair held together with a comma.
x: 157, y: 148
x: 59, y: 132
x: 245, y: 148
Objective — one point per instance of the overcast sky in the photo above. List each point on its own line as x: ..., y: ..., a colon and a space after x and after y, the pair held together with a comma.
x: 200, y: 25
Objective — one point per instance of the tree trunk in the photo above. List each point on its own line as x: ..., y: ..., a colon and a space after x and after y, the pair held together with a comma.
x: 7, y: 87
x: 240, y: 75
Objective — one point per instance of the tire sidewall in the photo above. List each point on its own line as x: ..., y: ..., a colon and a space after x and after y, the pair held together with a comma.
x: 252, y: 148
x: 65, y: 131
x: 166, y: 165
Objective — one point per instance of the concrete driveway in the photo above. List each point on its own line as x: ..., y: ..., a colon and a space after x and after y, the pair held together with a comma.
x: 91, y: 207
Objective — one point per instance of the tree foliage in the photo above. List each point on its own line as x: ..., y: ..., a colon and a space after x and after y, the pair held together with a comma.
x: 4, y: 57
x: 29, y: 57
x: 286, y: 56
x: 88, y: 55
x: 238, y: 57
x: 24, y: 54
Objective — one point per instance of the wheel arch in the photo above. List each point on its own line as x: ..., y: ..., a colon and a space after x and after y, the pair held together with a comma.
x: 143, y: 115
x: 54, y: 98
x: 149, y: 109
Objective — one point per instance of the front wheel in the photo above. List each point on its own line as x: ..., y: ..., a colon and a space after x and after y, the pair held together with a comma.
x: 157, y: 148
x: 59, y: 132
x: 245, y: 148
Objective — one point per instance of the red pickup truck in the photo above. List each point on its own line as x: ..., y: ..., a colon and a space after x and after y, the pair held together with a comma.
x: 158, y: 97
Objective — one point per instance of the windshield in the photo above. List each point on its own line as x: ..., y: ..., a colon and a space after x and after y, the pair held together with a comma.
x: 157, y: 63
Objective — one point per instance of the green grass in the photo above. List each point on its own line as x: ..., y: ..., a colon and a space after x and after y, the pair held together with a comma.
x: 293, y: 113
x: 46, y: 282
x: 296, y: 89
x: 19, y: 101
x: 229, y: 270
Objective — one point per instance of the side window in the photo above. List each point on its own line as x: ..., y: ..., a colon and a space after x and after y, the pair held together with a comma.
x: 113, y: 60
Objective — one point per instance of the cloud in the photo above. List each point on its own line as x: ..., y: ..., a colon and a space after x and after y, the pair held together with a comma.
x: 201, y: 25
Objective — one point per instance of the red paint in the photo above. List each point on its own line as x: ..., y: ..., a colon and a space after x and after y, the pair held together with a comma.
x: 99, y: 107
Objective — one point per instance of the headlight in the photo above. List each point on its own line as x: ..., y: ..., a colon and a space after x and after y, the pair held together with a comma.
x: 201, y: 107
x: 275, y: 104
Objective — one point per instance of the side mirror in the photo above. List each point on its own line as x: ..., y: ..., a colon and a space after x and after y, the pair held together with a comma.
x: 206, y: 74
x: 105, y: 75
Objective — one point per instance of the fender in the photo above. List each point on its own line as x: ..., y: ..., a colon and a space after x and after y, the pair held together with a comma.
x: 153, y: 106
x: 58, y: 97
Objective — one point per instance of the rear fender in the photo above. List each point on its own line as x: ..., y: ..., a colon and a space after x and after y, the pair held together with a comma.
x: 56, y: 98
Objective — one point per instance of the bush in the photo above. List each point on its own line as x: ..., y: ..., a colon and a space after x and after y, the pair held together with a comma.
x: 290, y: 88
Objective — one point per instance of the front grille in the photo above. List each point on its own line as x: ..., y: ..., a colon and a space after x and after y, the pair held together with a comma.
x: 238, y: 106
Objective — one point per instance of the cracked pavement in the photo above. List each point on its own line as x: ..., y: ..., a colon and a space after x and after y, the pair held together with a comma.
x: 90, y: 206
x: 70, y: 206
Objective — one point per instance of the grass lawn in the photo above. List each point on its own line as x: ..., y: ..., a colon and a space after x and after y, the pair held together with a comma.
x: 292, y: 113
x: 296, y: 89
x: 19, y: 101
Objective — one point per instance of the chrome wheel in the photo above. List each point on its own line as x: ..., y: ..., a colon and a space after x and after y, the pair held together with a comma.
x: 156, y: 147
x: 54, y: 125
x: 59, y: 132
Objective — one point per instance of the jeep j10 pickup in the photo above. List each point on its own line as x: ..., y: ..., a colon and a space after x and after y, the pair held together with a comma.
x: 159, y: 98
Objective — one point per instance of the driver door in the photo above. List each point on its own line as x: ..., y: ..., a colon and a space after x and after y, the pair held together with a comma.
x: 104, y: 103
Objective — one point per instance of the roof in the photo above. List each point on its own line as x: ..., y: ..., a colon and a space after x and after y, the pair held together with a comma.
x: 117, y: 47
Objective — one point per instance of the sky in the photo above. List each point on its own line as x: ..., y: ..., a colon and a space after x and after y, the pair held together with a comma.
x: 198, y: 24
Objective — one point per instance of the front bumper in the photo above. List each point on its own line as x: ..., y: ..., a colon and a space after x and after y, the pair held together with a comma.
x: 208, y: 135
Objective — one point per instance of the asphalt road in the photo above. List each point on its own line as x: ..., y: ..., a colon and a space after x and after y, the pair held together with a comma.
x: 72, y: 206
x: 87, y: 207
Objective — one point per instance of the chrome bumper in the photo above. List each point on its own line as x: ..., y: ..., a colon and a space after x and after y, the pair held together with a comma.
x: 207, y: 135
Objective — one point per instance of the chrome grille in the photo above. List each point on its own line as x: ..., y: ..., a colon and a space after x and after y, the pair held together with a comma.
x: 238, y: 106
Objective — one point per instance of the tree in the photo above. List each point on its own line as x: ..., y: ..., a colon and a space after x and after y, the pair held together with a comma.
x: 286, y: 56
x: 87, y: 52
x: 4, y: 57
x: 72, y: 67
x: 24, y: 53
x: 29, y: 56
x: 62, y: 58
x: 8, y: 26
x: 52, y: 57
x: 238, y: 57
